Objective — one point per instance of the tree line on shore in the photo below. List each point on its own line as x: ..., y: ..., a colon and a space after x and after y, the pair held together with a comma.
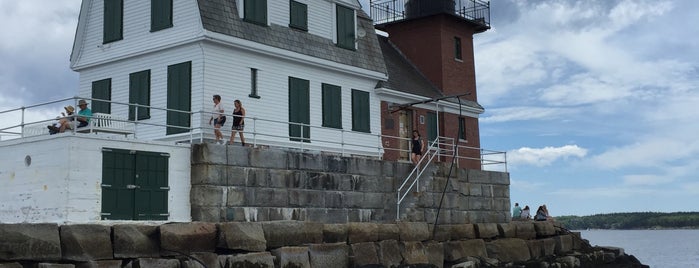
x: 632, y: 220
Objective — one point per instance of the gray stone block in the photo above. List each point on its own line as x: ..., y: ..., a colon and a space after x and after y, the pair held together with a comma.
x: 99, y: 264
x: 352, y: 199
x: 269, y: 158
x: 389, y: 232
x: 10, y: 265
x: 499, y: 177
x: 536, y: 248
x: 478, y: 176
x: 549, y: 246
x: 257, y: 177
x: 248, y: 236
x: 237, y: 176
x: 238, y: 155
x: 54, y: 265
x: 463, y: 231
x: 329, y: 255
x: 501, y: 191
x: 544, y: 229
x: 268, y: 197
x: 187, y: 238
x: 310, y: 161
x: 435, y: 253
x: 39, y: 242
x: 564, y: 244
x: 207, y: 214
x: 292, y: 233
x: 327, y: 215
x: 202, y: 260
x: 322, y: 181
x: 208, y: 174
x: 335, y: 164
x: 292, y: 257
x: 506, y: 230
x: 157, y: 263
x: 257, y: 260
x: 335, y: 233
x: 479, y: 203
x: 207, y: 196
x: 414, y: 231
x: 281, y: 178
x: 86, y: 242
x: 413, y: 253
x: 364, y: 166
x: 459, y: 217
x: 486, y: 230
x: 442, y: 232
x: 375, y: 200
x: 205, y: 153
x: 458, y: 250
x: 389, y: 253
x: 359, y: 232
x: 333, y: 199
x: 364, y: 254
x: 235, y: 197
x: 306, y: 198
x: 136, y: 241
x: 388, y: 169
x: 524, y: 230
x: 288, y: 214
x: 475, y: 189
x: 508, y: 250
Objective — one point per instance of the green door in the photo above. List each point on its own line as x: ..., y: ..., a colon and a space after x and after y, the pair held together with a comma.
x: 179, y: 97
x: 134, y: 185
x: 299, y: 110
x: 431, y: 126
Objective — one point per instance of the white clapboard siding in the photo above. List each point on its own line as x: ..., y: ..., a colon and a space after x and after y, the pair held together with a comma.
x: 137, y: 36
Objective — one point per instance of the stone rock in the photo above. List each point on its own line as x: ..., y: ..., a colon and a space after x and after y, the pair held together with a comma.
x: 39, y: 242
x: 10, y: 265
x: 248, y: 236
x: 54, y: 265
x: 195, y: 260
x: 329, y: 255
x: 443, y: 232
x: 413, y: 253
x: 458, y: 250
x: 616, y: 250
x: 156, y: 263
x: 334, y: 233
x: 506, y: 230
x: 389, y: 232
x: 508, y: 250
x: 187, y: 238
x: 486, y: 230
x: 569, y: 261
x: 99, y: 264
x: 292, y: 233
x: 296, y: 257
x: 86, y: 242
x: 435, y: 253
x: 136, y: 241
x: 463, y: 231
x: 544, y: 229
x: 467, y: 264
x: 414, y: 231
x: 359, y: 232
x: 364, y: 254
x: 524, y: 230
x: 564, y: 244
x: 549, y: 246
x: 536, y: 248
x: 251, y: 260
x: 389, y: 253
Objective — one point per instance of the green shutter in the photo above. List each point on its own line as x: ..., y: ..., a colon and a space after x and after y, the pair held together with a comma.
x: 431, y: 126
x: 102, y: 90
x: 462, y: 128
x: 457, y: 48
x: 345, y: 27
x: 332, y: 106
x: 360, y: 111
x: 160, y: 14
x: 298, y: 15
x: 151, y: 197
x: 179, y: 92
x: 113, y: 20
x: 139, y: 93
x: 299, y: 109
x: 117, y: 174
x: 255, y: 11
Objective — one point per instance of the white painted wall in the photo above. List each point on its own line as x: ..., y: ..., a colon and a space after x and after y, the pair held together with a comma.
x: 62, y: 184
x: 137, y: 36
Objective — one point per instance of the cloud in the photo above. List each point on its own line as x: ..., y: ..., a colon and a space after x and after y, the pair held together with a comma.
x: 543, y: 156
x: 521, y: 113
x: 646, y: 179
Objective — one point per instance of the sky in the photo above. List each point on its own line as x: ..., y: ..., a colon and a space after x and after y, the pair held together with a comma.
x: 593, y: 101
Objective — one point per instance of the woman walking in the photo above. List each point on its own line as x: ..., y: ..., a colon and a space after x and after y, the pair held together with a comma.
x: 238, y: 122
x: 418, y: 147
x: 219, y: 118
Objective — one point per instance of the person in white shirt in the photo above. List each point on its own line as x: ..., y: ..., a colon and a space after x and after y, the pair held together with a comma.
x: 218, y: 117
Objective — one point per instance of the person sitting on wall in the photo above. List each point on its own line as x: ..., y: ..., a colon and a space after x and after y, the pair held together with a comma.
x: 525, y: 213
x: 540, y: 214
x: 516, y: 212
x: 63, y: 119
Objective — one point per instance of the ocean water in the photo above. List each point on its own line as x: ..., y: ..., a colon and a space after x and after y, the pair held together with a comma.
x: 656, y: 248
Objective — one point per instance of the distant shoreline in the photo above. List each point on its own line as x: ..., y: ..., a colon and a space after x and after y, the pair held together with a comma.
x: 633, y: 221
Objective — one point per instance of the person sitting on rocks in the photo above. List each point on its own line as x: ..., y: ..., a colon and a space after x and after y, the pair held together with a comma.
x: 525, y: 213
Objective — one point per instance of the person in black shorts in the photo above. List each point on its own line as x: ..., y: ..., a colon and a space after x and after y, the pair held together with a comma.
x: 238, y: 122
x: 417, y: 147
x: 218, y: 117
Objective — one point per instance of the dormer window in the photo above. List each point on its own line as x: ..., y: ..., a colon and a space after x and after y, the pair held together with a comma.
x: 345, y: 27
x: 255, y: 11
x: 298, y: 14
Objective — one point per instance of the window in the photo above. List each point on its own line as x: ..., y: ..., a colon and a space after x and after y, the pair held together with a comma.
x: 298, y: 15
x: 255, y: 11
x: 457, y: 48
x: 134, y: 185
x: 253, y: 84
x: 431, y: 126
x: 345, y: 27
x: 160, y: 14
x: 102, y: 90
x: 360, y: 111
x: 113, y: 20
x: 299, y: 110
x: 139, y: 93
x: 462, y: 128
x: 332, y: 106
x: 179, y: 94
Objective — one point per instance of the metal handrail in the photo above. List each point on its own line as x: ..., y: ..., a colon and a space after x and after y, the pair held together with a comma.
x: 342, y: 144
x: 432, y: 151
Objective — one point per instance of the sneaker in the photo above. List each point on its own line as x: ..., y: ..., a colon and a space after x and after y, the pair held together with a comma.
x: 53, y: 130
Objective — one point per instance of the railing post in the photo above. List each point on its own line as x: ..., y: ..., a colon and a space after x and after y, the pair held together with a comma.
x: 22, y: 126
x: 135, y: 120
